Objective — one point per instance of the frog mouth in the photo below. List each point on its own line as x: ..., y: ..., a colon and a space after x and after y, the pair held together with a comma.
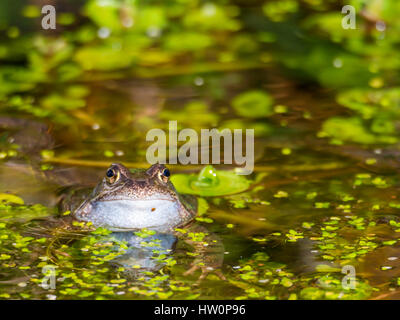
x: 128, y: 214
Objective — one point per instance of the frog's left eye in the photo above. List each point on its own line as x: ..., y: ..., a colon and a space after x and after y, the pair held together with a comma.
x: 112, y: 175
x: 166, y: 173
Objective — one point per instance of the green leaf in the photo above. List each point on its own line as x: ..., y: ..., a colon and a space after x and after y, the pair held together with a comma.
x: 253, y: 104
x: 10, y: 198
x: 210, y: 182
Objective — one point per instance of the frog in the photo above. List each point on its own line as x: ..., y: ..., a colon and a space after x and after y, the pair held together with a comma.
x: 126, y: 201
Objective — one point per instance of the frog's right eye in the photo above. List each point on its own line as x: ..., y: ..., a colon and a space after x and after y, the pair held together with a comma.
x: 166, y: 172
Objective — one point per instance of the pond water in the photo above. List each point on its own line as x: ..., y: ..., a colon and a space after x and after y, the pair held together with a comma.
x: 323, y: 197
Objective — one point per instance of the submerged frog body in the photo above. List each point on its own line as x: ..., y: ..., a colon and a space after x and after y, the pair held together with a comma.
x: 125, y: 201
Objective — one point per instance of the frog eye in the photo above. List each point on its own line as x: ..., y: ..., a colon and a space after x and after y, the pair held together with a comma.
x: 112, y: 175
x: 166, y: 172
x: 163, y: 175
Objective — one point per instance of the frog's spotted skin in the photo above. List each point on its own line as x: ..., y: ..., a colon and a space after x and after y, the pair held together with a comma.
x: 126, y: 201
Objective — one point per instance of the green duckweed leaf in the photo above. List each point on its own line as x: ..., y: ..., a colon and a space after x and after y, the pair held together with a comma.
x: 253, y: 104
x: 10, y: 198
x: 202, y: 205
x: 326, y: 268
x: 102, y: 58
x: 352, y: 130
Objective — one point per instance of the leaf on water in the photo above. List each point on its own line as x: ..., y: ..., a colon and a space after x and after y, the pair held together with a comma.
x: 253, y: 104
x: 210, y: 182
x: 326, y: 268
x: 10, y: 198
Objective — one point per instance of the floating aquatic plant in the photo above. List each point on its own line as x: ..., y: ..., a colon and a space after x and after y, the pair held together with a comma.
x: 210, y: 182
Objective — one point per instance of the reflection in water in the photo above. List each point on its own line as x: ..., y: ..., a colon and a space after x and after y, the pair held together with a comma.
x: 142, y: 253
